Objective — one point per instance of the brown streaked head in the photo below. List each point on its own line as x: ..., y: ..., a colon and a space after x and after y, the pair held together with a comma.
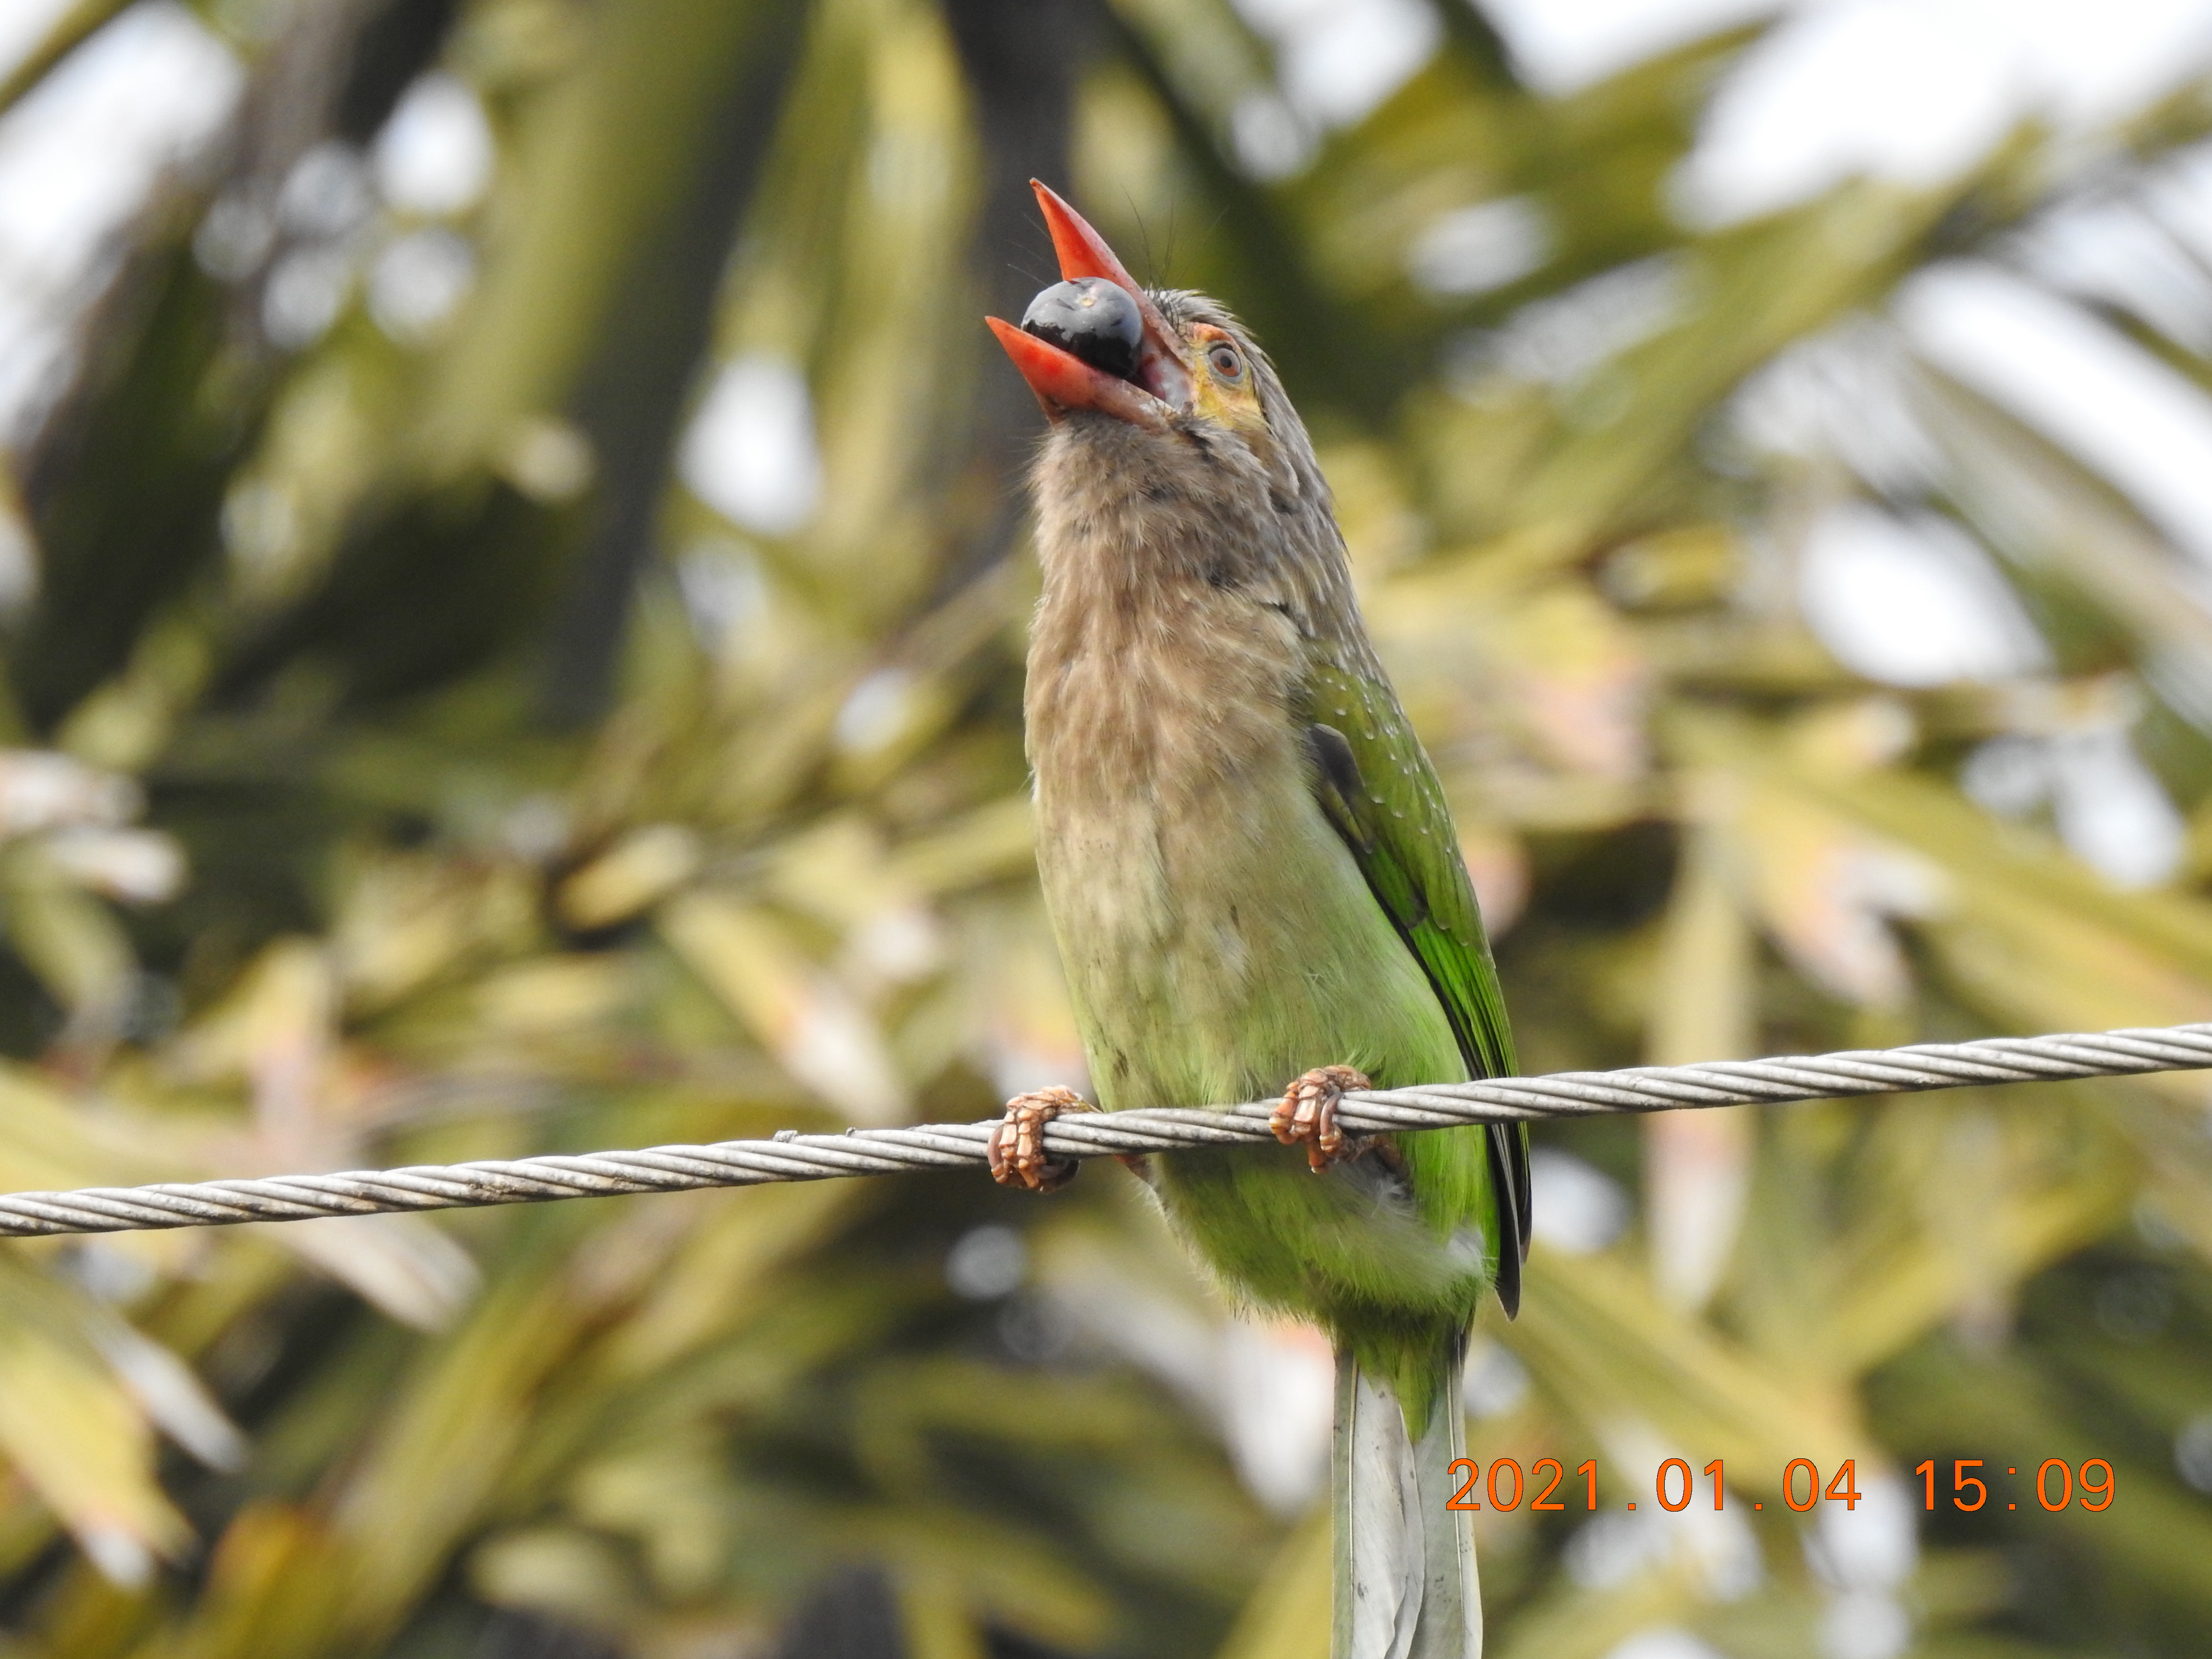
x: 1172, y: 454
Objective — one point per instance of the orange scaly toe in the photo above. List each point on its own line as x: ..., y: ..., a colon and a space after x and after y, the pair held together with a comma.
x: 1307, y: 1114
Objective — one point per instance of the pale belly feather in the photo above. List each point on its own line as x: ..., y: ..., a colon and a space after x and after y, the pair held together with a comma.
x: 1217, y: 949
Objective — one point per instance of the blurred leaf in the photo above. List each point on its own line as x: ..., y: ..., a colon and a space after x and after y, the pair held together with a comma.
x: 456, y: 754
x: 800, y: 1014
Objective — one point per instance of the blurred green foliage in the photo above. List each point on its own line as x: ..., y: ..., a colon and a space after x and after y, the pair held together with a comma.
x: 527, y: 802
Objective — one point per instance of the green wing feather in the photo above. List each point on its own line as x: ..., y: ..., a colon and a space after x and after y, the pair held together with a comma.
x: 1375, y: 783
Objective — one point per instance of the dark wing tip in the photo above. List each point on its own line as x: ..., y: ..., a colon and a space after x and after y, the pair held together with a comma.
x: 1508, y: 1283
x: 1508, y: 1183
x: 1523, y: 1188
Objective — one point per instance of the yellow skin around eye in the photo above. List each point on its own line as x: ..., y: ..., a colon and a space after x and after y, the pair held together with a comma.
x: 1232, y: 401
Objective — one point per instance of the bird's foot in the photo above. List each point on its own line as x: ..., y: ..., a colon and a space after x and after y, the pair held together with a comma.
x: 1307, y: 1115
x: 1017, y: 1143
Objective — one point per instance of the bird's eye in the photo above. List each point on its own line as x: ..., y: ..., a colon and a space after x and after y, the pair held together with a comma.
x: 1222, y: 358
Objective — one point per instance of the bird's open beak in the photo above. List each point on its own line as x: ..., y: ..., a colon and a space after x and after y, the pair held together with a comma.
x: 1064, y: 382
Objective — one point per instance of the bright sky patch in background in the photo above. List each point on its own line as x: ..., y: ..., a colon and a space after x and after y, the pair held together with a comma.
x: 77, y: 158
x: 1912, y: 91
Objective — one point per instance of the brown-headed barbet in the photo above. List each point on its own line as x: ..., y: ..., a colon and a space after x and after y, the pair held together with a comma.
x: 1257, y: 890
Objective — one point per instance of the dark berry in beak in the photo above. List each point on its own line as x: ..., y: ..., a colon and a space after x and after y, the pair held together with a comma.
x: 1090, y: 318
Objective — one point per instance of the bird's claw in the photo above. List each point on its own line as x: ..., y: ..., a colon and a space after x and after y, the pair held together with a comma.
x: 1017, y: 1143
x: 1306, y: 1115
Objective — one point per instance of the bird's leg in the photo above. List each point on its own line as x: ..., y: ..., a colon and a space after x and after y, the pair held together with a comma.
x: 1307, y: 1114
x: 1017, y: 1143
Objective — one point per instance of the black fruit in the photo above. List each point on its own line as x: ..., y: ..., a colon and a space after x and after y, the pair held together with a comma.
x: 1092, y: 319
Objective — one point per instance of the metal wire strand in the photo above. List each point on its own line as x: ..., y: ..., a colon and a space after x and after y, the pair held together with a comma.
x: 793, y: 1156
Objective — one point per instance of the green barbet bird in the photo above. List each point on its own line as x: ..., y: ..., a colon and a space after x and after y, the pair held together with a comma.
x: 1257, y: 889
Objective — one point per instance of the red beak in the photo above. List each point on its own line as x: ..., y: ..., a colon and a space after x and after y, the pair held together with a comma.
x: 1063, y: 381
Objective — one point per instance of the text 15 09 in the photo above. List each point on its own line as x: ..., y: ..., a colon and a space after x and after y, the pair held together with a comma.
x: 2055, y: 1483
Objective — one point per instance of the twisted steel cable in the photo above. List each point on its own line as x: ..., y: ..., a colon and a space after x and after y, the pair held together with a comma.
x: 793, y: 1156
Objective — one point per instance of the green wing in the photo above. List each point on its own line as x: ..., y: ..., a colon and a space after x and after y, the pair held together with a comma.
x: 1375, y: 783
